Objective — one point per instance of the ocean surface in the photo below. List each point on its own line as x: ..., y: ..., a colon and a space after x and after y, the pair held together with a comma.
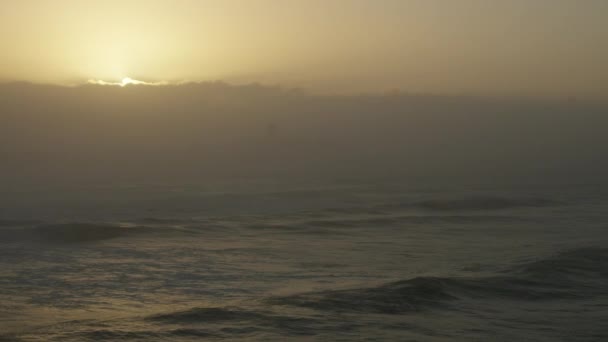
x: 342, y: 262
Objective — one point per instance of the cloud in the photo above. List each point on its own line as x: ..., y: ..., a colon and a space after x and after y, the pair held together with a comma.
x: 200, y: 131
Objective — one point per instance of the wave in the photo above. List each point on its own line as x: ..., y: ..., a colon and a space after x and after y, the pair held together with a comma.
x: 409, y: 219
x: 197, y: 333
x: 570, y: 266
x: 572, y: 274
x: 483, y: 203
x: 476, y: 204
x: 82, y: 232
x: 393, y: 298
x: 340, y: 225
x: 115, y: 335
x: 206, y: 315
x: 17, y: 223
x: 244, y: 321
x: 168, y: 221
x: 6, y: 338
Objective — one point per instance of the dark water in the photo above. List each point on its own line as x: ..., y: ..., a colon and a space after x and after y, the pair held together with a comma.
x: 308, y: 262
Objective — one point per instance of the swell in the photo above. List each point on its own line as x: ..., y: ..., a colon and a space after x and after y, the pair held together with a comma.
x: 82, y: 232
x: 16, y: 223
x: 7, y: 338
x: 341, y: 225
x: 570, y: 266
x: 115, y: 335
x: 572, y: 274
x: 206, y: 315
x: 235, y: 321
x: 481, y: 203
x: 72, y: 233
x: 473, y: 203
x: 409, y: 219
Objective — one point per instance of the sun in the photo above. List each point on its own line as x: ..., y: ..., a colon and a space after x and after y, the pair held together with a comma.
x: 127, y: 81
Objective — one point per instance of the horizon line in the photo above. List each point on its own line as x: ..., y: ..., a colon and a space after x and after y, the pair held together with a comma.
x: 132, y: 83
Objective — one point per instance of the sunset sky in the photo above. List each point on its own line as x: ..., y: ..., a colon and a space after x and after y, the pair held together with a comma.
x: 519, y: 47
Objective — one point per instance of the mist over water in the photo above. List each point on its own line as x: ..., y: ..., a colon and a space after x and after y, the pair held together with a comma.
x: 211, y: 211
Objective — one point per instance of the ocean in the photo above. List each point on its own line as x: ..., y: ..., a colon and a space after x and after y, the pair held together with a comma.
x: 328, y: 261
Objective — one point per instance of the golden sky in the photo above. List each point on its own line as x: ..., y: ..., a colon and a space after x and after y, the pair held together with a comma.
x: 530, y: 47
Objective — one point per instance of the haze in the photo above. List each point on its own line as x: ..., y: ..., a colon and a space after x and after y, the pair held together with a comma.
x: 303, y: 170
x: 548, y: 48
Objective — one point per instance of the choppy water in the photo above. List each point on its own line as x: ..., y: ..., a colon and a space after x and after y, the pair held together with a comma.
x: 364, y: 262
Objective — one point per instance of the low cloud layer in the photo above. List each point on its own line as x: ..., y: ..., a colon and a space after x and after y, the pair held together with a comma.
x: 200, y: 132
